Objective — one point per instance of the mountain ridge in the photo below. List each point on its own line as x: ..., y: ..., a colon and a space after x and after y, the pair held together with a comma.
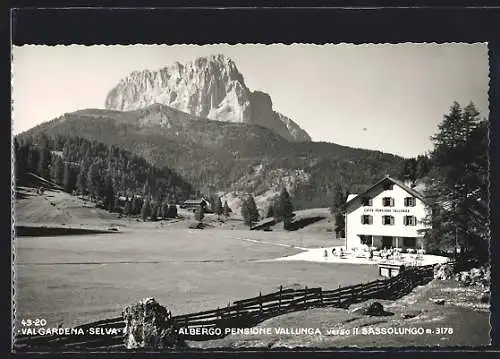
x: 208, y: 87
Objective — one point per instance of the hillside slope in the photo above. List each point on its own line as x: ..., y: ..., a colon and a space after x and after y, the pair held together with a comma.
x: 57, y: 208
x: 227, y: 157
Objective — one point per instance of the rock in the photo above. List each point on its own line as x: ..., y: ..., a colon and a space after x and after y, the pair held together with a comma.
x: 410, y: 314
x: 208, y: 87
x: 465, y: 277
x: 374, y: 309
x: 443, y: 271
x: 439, y: 301
x: 475, y: 277
x: 148, y: 325
x: 476, y: 274
x: 360, y: 310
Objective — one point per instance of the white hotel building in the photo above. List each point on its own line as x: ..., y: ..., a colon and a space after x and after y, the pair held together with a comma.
x: 389, y: 214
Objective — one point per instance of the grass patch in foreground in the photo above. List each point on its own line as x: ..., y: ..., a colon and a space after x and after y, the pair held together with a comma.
x: 470, y: 327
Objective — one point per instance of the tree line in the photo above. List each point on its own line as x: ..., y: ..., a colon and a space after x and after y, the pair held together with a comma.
x: 457, y: 184
x: 416, y: 168
x: 280, y: 209
x: 105, y: 174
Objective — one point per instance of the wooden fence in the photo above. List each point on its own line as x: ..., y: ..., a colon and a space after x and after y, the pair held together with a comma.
x: 246, y: 313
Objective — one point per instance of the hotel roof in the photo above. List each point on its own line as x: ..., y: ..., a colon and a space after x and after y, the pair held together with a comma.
x: 384, y: 180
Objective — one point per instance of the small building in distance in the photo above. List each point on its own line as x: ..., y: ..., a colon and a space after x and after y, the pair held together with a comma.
x: 390, y: 214
x: 124, y: 199
x: 193, y: 204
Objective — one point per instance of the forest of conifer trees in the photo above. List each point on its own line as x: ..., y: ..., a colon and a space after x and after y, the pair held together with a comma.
x: 103, y: 174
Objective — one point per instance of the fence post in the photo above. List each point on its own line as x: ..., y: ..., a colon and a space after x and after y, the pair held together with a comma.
x: 279, y: 299
x: 218, y: 313
x: 321, y: 296
x: 338, y: 300
x: 260, y: 301
x: 305, y: 296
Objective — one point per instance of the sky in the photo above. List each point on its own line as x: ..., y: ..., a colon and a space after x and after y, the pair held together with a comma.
x: 383, y: 97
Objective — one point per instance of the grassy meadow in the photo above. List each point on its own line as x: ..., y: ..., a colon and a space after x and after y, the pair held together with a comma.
x: 71, y: 280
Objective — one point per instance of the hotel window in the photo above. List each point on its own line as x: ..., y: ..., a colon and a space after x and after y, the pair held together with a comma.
x: 366, y: 219
x: 388, y: 186
x: 388, y: 201
x: 410, y: 202
x: 387, y: 220
x: 410, y: 220
x: 367, y: 201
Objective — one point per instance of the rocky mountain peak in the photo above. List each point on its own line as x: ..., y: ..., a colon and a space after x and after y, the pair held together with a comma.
x: 209, y: 87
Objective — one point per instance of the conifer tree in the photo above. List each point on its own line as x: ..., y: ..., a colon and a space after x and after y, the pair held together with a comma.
x: 145, y: 211
x: 286, y: 208
x: 116, y: 205
x: 136, y: 205
x: 57, y: 170
x: 338, y: 199
x: 33, y: 159
x: 249, y: 211
x: 277, y: 210
x: 409, y: 170
x: 44, y: 162
x: 81, y: 179
x: 226, y: 210
x: 199, y: 213
x: 456, y: 190
x: 172, y: 211
x: 270, y: 212
x: 126, y: 208
x: 164, y: 209
x: 245, y: 213
x: 422, y: 166
x: 108, y: 193
x: 154, y: 210
x: 69, y: 180
x: 217, y: 206
x: 158, y: 211
x: 94, y: 181
x: 22, y: 155
x: 337, y: 209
